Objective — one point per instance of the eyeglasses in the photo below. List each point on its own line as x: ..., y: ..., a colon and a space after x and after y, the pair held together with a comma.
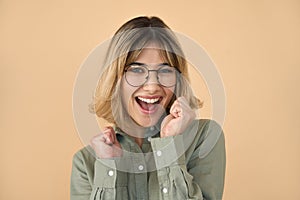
x: 137, y: 74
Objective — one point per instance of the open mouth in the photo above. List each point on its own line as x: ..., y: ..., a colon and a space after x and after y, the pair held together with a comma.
x: 148, y: 105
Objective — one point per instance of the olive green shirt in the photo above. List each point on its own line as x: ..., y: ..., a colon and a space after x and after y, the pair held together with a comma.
x: 187, y: 166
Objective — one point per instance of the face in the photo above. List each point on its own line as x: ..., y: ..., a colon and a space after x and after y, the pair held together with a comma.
x: 147, y: 103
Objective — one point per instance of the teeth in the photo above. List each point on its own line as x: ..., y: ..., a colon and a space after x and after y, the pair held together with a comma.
x: 148, y: 100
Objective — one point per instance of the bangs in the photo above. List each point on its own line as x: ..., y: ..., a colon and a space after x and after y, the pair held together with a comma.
x: 168, y: 57
x: 161, y: 39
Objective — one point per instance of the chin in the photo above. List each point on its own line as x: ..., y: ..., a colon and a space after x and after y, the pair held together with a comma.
x: 147, y: 120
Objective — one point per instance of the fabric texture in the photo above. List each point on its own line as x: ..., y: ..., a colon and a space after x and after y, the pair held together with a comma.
x: 187, y: 166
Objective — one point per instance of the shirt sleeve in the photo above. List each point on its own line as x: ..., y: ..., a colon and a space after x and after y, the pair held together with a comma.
x: 96, y: 179
x: 81, y: 184
x: 201, y: 176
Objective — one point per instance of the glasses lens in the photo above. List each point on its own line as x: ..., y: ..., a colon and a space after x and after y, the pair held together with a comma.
x: 167, y: 76
x: 136, y: 75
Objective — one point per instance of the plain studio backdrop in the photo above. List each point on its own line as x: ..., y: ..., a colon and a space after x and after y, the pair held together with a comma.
x: 254, y: 44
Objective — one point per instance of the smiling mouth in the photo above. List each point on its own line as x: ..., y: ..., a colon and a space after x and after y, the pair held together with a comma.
x: 148, y: 105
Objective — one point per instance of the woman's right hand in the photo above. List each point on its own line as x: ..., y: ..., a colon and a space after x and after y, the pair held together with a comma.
x: 106, y: 144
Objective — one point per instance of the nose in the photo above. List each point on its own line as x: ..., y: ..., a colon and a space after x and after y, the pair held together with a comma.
x: 152, y: 84
x: 152, y: 77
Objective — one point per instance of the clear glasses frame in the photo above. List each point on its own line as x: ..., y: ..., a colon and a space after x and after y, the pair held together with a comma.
x: 137, y: 74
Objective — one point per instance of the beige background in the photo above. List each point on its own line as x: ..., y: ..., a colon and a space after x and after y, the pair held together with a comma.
x: 255, y: 45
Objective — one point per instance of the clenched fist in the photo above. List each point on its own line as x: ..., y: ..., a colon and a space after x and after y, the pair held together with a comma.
x: 180, y: 117
x: 106, y: 144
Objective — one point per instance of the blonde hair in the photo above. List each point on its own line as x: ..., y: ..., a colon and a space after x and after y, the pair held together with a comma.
x: 125, y: 47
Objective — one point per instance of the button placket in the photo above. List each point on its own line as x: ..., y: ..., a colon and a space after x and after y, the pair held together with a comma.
x: 140, y: 175
x: 138, y: 160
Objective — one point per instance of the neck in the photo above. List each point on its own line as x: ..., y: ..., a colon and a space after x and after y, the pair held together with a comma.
x: 139, y: 141
x: 137, y: 132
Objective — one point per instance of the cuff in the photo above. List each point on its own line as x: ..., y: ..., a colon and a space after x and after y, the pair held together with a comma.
x: 105, y: 173
x: 168, y: 151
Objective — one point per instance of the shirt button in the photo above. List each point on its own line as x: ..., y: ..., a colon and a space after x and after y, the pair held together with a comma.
x: 152, y: 128
x: 149, y: 139
x: 165, y: 190
x: 158, y: 153
x: 141, y: 167
x: 110, y: 173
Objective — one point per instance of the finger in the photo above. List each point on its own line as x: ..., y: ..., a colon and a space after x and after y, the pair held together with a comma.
x: 176, y: 110
x: 113, y: 134
x: 107, y: 137
x: 104, y: 137
x: 174, y: 104
x: 186, y: 108
x: 97, y: 139
x: 166, y: 120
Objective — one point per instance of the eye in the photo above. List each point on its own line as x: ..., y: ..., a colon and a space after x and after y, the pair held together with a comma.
x: 166, y: 70
x: 136, y: 69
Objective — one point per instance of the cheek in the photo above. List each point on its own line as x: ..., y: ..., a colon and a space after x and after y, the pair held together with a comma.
x: 126, y: 94
x: 169, y: 94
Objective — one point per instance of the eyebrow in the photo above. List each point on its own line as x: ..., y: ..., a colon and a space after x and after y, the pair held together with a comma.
x: 144, y: 64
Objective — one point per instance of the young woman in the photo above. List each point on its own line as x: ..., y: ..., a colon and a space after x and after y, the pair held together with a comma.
x: 156, y: 148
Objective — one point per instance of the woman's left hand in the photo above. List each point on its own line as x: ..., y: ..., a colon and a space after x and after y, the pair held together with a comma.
x: 180, y: 117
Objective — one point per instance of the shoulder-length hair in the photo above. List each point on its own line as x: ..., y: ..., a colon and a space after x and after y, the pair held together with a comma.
x: 124, y: 48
